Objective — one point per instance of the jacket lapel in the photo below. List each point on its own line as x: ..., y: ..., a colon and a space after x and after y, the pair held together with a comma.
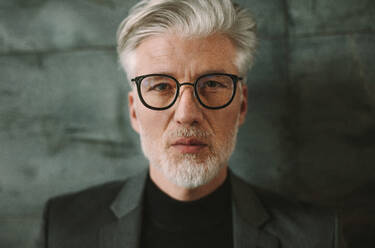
x: 125, y: 230
x: 249, y: 216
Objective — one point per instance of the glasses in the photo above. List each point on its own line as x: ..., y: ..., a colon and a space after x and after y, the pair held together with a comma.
x: 160, y: 91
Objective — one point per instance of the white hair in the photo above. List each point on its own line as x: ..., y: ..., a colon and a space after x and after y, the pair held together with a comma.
x: 189, y: 18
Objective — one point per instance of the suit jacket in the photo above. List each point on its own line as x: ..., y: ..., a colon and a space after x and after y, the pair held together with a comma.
x: 110, y: 216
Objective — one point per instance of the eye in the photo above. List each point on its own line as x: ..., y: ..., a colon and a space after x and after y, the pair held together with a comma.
x: 212, y: 84
x: 160, y: 87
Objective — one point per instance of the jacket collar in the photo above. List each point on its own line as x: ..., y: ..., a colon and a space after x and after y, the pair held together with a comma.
x: 131, y: 195
x: 125, y: 231
x: 248, y: 216
x: 246, y: 203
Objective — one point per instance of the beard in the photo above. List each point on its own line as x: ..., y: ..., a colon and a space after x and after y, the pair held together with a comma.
x: 190, y: 170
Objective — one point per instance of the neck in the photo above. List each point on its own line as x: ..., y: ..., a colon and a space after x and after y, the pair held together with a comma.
x: 186, y: 194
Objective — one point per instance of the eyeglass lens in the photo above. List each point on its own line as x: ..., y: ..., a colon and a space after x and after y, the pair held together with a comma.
x: 212, y: 90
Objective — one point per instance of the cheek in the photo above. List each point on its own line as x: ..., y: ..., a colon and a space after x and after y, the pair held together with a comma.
x: 229, y: 115
x: 147, y: 126
x: 225, y: 123
x: 151, y: 125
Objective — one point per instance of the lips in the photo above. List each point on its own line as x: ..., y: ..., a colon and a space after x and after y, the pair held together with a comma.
x: 189, y: 141
x: 189, y: 145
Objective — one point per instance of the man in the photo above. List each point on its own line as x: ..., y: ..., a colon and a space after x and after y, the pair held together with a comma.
x: 187, y: 62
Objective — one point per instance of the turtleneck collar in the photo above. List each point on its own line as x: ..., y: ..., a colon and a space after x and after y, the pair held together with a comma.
x: 198, y: 215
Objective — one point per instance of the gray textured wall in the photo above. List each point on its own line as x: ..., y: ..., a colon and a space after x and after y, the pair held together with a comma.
x: 310, y: 132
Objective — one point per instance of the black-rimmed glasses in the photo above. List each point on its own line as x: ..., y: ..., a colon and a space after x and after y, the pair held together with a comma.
x: 160, y: 91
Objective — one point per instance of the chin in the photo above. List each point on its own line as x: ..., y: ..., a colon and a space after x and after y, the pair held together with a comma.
x: 190, y: 171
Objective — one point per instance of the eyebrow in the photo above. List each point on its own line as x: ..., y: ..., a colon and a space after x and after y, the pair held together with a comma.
x: 195, y: 76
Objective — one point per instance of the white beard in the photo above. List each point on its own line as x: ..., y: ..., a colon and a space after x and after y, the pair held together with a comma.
x: 189, y: 170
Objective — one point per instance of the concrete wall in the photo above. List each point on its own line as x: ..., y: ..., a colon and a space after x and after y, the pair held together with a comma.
x: 310, y: 132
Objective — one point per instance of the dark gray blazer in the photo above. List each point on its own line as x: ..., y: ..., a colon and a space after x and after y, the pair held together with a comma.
x: 110, y: 216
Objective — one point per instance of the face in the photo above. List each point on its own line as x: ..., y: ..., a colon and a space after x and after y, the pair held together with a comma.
x: 187, y: 142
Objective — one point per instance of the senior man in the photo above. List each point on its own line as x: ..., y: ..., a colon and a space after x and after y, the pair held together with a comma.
x: 186, y: 61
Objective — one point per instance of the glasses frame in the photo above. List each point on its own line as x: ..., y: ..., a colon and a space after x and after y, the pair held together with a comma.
x: 138, y: 81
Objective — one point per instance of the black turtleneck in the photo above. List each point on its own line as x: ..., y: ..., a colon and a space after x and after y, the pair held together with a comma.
x: 206, y: 222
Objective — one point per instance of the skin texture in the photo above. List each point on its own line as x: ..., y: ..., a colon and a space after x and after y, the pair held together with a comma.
x: 185, y: 59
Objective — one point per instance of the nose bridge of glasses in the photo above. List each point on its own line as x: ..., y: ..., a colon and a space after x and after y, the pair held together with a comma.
x: 187, y: 83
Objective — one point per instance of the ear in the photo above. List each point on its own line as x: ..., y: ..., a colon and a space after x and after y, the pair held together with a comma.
x: 132, y: 112
x: 243, y: 107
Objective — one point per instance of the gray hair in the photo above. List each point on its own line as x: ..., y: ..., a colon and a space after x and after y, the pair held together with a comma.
x: 188, y: 18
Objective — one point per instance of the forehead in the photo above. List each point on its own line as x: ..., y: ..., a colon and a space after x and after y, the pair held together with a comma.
x: 173, y: 54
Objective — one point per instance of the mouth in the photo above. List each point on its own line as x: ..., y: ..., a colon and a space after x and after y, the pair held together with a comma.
x: 189, y: 145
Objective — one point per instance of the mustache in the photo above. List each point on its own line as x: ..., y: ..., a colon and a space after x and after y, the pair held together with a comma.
x: 189, y: 132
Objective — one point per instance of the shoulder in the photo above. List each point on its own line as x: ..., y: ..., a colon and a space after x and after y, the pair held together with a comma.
x: 97, y: 200
x: 299, y: 223
x: 279, y: 206
x: 87, y: 208
x: 75, y: 219
x: 98, y: 196
x: 294, y: 223
x: 295, y: 212
x: 86, y: 199
x: 71, y: 219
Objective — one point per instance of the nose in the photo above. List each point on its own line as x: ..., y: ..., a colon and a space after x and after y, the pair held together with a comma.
x: 188, y: 111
